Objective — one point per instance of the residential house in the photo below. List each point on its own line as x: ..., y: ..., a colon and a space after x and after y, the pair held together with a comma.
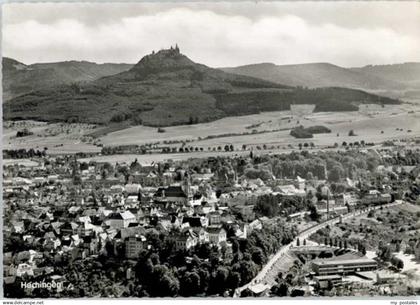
x: 120, y: 220
x: 216, y: 235
x: 91, y: 244
x: 133, y: 246
x: 186, y: 240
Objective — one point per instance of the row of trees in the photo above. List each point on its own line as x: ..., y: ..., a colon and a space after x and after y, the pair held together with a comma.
x: 23, y: 153
x: 23, y: 133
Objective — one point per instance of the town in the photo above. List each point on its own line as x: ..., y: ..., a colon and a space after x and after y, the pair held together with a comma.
x: 341, y: 222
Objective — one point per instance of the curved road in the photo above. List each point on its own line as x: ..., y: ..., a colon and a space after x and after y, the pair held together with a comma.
x: 259, y: 278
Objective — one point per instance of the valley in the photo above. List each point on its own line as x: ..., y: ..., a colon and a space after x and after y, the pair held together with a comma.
x: 254, y: 131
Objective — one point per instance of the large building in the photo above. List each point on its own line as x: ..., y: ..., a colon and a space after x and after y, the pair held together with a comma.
x: 119, y: 220
x: 133, y: 246
x: 171, y: 194
x: 375, y: 197
x: 344, y: 266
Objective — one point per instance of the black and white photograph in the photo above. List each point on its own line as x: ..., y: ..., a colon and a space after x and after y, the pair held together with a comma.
x: 198, y: 149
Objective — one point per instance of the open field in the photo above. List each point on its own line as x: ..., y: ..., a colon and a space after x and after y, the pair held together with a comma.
x: 143, y: 134
x: 56, y: 137
x: 367, y: 123
x: 372, y: 123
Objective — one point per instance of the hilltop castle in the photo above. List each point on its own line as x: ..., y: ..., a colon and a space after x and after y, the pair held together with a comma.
x: 171, y: 51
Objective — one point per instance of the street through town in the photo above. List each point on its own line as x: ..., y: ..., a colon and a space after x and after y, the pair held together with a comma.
x: 260, y: 278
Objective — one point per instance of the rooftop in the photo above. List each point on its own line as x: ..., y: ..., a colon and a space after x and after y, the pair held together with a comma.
x: 345, y: 261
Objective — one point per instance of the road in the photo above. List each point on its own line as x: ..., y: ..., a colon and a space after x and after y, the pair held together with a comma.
x: 260, y: 277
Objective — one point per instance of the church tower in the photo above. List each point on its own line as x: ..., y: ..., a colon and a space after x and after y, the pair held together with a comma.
x: 186, y: 184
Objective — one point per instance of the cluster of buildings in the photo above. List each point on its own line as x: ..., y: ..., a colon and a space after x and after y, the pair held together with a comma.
x: 56, y: 215
x: 60, y: 211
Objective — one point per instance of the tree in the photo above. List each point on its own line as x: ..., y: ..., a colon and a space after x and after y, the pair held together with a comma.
x: 400, y: 264
x: 385, y: 252
x: 258, y: 256
x: 248, y: 269
x: 163, y: 283
x: 397, y: 262
x: 104, y: 174
x: 219, y: 281
x: 190, y: 284
x: 280, y: 289
x: 310, y: 176
x: 313, y: 213
x: 351, y: 133
x: 336, y: 173
x: 77, y: 180
x: 361, y: 248
x: 267, y: 206
x: 298, y: 242
x: 84, y: 166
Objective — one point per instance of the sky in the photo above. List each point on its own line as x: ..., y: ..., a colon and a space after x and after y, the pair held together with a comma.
x: 218, y: 34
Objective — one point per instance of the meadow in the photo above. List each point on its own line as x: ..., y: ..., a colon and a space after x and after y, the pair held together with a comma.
x: 372, y: 123
x: 269, y: 130
x: 56, y: 137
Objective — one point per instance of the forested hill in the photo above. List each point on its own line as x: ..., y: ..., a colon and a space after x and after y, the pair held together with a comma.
x: 167, y: 88
x: 406, y: 73
x: 19, y: 78
x: 315, y: 75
